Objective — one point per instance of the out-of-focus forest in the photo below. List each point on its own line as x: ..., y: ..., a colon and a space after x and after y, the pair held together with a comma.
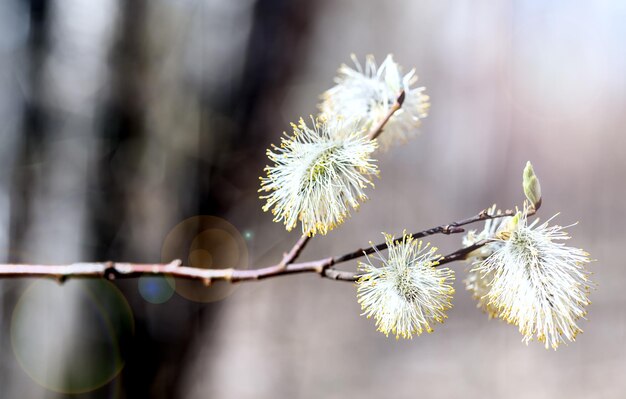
x: 136, y: 131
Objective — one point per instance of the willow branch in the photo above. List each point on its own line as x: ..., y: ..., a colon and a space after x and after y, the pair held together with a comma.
x: 116, y: 270
x: 323, y: 267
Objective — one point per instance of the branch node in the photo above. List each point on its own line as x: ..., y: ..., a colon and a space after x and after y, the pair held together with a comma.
x: 292, y: 255
x: 451, y: 228
x: 228, y: 275
x: 109, y: 270
x: 321, y: 267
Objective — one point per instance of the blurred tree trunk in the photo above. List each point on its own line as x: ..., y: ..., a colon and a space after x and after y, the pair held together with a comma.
x: 181, y: 120
x: 60, y: 77
x: 135, y: 116
x: 19, y: 106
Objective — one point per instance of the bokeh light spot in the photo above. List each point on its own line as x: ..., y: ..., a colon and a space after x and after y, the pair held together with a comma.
x: 156, y: 289
x: 205, y: 242
x: 200, y: 258
x: 69, y: 338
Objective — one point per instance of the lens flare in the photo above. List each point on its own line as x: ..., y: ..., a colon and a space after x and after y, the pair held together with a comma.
x: 205, y: 242
x: 156, y: 289
x: 69, y: 338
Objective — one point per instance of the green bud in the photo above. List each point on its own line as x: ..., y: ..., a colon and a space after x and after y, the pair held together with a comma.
x: 532, y: 188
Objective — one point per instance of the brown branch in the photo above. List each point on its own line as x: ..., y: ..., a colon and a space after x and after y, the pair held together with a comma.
x: 451, y: 228
x: 115, y: 270
x: 323, y: 267
x: 461, y: 254
x: 292, y: 255
x: 378, y: 129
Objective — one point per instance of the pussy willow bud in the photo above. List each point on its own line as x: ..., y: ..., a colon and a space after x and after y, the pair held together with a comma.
x: 532, y: 188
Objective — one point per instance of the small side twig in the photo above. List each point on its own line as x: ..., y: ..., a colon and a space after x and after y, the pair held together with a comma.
x: 461, y: 254
x: 378, y: 129
x: 294, y: 252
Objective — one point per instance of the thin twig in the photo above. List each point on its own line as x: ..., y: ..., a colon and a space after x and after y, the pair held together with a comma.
x: 292, y: 255
x: 378, y: 129
x: 461, y: 254
x: 451, y: 228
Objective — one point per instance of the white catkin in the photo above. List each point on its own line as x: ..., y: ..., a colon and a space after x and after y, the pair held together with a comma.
x: 318, y: 175
x: 365, y: 95
x: 539, y: 284
x: 408, y: 294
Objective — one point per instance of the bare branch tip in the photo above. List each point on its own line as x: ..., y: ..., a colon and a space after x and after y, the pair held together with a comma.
x: 401, y: 98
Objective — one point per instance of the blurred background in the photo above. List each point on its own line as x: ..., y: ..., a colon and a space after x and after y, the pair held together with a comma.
x: 136, y: 131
